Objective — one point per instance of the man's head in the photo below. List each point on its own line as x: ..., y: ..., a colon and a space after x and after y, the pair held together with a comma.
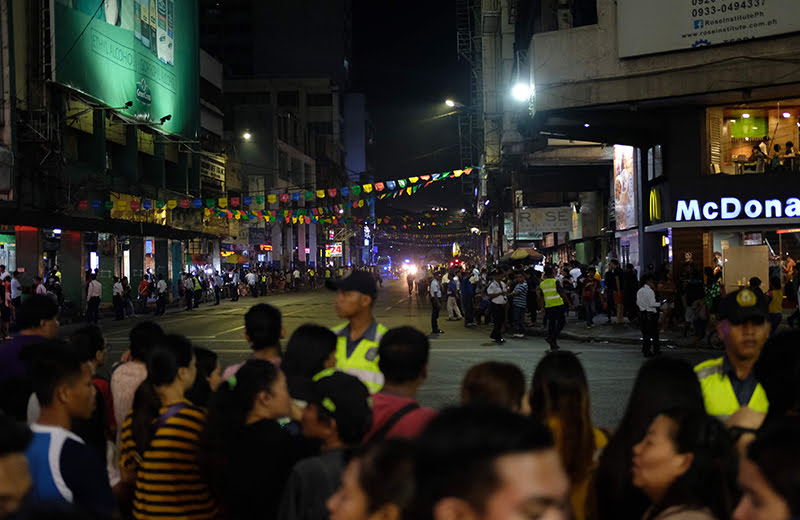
x: 520, y: 276
x: 649, y: 280
x: 340, y: 408
x: 613, y: 263
x: 142, y: 337
x: 437, y: 275
x: 484, y: 462
x: 91, y: 339
x: 37, y: 280
x: 403, y: 356
x: 38, y: 315
x: 755, y: 282
x: 263, y: 326
x: 15, y: 479
x: 548, y: 271
x: 93, y: 276
x: 355, y: 294
x: 2, y: 268
x: 160, y: 276
x: 743, y: 325
x: 62, y: 378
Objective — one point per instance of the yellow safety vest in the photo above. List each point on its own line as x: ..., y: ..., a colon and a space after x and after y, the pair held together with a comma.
x: 363, y: 362
x: 718, y: 393
x: 550, y: 292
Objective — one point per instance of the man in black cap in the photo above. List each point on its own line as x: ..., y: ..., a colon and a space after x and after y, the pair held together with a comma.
x: 338, y: 416
x: 729, y: 385
x: 358, y: 340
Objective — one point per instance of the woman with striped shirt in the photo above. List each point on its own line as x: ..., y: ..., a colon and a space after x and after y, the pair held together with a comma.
x: 160, y: 442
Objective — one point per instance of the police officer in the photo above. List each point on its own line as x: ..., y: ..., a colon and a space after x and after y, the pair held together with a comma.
x: 729, y: 384
x: 358, y: 339
x: 553, y: 301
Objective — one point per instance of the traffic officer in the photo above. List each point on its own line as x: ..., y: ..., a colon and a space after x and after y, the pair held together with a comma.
x: 553, y: 301
x: 358, y: 339
x: 730, y: 389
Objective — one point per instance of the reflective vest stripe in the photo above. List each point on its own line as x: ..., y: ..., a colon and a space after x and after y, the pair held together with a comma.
x: 550, y: 292
x: 366, y: 376
x: 720, y: 400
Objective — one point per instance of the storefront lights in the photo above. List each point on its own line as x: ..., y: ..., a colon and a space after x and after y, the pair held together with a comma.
x: 746, y: 115
x: 787, y: 115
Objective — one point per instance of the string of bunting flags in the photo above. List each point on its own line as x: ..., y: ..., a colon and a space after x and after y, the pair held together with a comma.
x: 379, y: 190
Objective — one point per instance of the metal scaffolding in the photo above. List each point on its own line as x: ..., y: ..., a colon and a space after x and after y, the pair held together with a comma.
x: 470, y: 120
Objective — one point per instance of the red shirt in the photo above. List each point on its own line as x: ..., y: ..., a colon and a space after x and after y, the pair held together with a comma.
x: 412, y: 423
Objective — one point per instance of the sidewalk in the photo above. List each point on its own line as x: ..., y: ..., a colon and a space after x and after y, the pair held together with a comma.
x: 602, y: 331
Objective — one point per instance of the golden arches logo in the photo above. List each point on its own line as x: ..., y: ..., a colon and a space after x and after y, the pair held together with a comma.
x: 655, y: 204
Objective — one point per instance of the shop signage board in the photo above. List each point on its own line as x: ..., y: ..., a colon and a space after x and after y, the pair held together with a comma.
x: 333, y: 250
x: 508, y: 230
x: 257, y: 235
x: 536, y: 221
x: 729, y: 208
x: 624, y: 187
x: 654, y: 26
x: 212, y: 168
x: 145, y: 53
x: 265, y: 248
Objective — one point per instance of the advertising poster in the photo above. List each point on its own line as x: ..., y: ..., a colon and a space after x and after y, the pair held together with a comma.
x: 624, y: 187
x: 653, y: 26
x: 143, y: 52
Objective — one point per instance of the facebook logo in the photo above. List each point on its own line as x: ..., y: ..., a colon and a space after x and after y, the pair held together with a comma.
x: 698, y: 24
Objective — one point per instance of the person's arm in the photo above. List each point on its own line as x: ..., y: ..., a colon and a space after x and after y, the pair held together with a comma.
x: 86, y: 476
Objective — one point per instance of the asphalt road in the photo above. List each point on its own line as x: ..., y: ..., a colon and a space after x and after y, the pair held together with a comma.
x: 610, y: 368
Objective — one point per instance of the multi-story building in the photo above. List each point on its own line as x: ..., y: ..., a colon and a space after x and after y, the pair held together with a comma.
x: 543, y: 190
x: 102, y: 116
x: 706, y: 96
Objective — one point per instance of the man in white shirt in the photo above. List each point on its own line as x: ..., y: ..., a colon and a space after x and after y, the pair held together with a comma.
x: 252, y: 279
x: 39, y: 284
x: 116, y: 299
x: 648, y: 316
x: 436, y: 302
x: 296, y: 276
x: 498, y: 296
x: 93, y: 294
x: 575, y: 272
x: 161, y: 295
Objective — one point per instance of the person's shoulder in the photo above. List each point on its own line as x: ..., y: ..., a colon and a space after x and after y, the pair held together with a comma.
x: 685, y: 513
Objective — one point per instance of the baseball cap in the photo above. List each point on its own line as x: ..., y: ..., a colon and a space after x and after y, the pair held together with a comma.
x: 743, y: 305
x: 346, y: 399
x: 359, y: 281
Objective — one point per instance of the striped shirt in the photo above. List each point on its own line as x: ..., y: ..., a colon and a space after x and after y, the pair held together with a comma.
x: 521, y: 299
x: 168, y: 479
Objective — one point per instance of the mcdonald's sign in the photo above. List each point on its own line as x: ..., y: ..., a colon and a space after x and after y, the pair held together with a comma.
x: 655, y: 204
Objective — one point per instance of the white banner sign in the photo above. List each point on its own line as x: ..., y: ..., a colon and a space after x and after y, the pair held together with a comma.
x: 653, y: 26
x: 544, y: 220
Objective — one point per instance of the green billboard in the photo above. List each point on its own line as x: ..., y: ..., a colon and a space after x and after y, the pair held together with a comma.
x: 140, y: 51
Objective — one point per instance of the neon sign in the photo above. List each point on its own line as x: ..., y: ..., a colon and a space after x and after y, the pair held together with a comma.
x: 731, y: 208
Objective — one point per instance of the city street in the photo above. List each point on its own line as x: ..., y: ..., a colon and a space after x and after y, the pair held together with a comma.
x: 611, y: 368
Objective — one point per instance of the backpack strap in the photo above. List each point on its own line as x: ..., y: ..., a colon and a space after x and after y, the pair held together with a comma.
x: 392, y: 421
x: 171, y: 411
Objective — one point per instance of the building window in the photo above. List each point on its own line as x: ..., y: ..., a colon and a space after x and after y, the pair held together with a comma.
x: 283, y: 166
x: 655, y: 165
x: 753, y: 138
x: 288, y: 98
x: 319, y: 100
x: 297, y: 172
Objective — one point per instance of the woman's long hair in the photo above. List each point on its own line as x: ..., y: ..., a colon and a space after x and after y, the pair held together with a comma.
x: 710, y: 481
x: 168, y: 355
x: 662, y: 383
x: 560, y: 391
x: 228, y: 410
x: 200, y: 392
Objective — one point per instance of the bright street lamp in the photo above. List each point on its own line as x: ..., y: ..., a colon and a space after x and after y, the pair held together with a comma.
x: 450, y: 103
x: 246, y: 136
x: 521, y: 92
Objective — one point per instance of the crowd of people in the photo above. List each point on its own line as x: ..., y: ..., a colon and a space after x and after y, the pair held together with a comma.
x: 328, y: 425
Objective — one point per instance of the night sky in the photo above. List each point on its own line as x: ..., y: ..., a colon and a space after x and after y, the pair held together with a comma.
x: 405, y: 61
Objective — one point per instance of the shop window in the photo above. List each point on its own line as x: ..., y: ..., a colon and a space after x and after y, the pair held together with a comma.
x: 289, y: 98
x: 319, y: 100
x: 753, y: 139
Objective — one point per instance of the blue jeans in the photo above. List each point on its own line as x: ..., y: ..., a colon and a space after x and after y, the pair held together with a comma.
x: 518, y: 315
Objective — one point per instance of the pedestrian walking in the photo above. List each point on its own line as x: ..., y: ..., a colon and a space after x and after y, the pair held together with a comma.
x: 16, y: 290
x: 38, y: 284
x: 144, y: 294
x: 218, y: 287
x: 252, y: 280
x: 468, y: 282
x: 498, y: 295
x: 188, y: 291
x: 93, y: 294
x: 436, y: 302
x: 648, y: 316
x: 613, y: 290
x: 589, y: 293
x: 519, y: 304
x: 296, y: 279
x: 161, y: 295
x: 554, y: 302
x: 453, y: 312
x: 127, y: 298
x: 234, y: 286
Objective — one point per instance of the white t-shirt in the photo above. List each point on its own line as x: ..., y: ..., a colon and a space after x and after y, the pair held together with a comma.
x: 41, y: 289
x: 497, y: 287
x: 436, y: 289
x: 117, y: 289
x: 296, y: 274
x: 575, y: 273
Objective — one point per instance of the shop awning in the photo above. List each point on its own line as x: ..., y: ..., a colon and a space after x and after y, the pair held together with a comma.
x: 739, y: 222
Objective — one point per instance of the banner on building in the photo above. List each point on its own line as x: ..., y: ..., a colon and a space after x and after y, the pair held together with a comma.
x: 624, y: 187
x: 653, y: 26
x: 142, y: 52
x: 535, y: 221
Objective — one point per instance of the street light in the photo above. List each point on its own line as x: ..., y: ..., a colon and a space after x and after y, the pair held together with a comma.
x: 246, y: 136
x: 450, y: 103
x: 521, y: 92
